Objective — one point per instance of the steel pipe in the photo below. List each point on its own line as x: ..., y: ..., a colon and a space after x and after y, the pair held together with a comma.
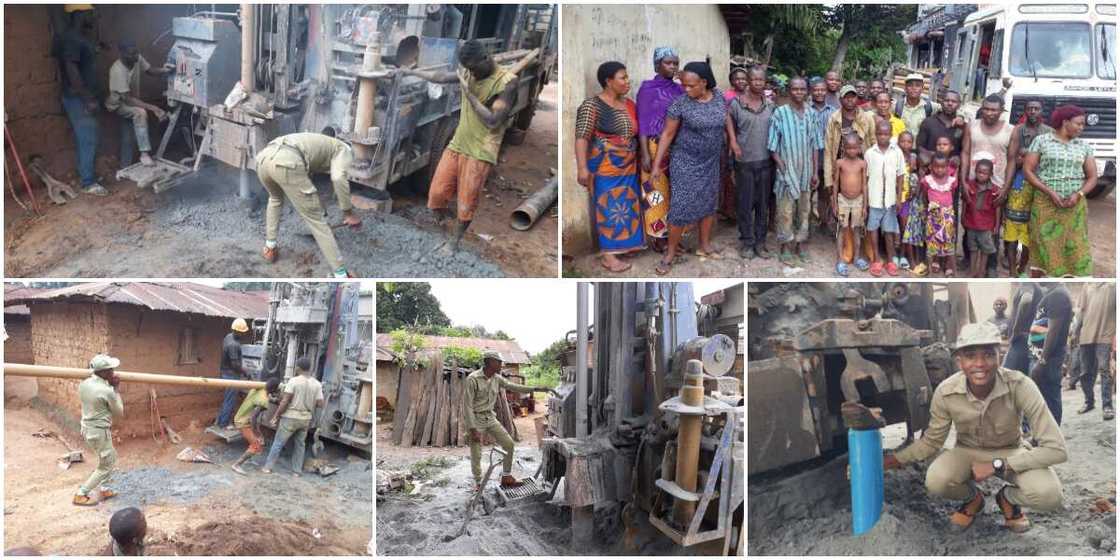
x: 581, y: 360
x: 24, y: 370
x: 367, y: 96
x: 688, y: 441
x: 530, y: 211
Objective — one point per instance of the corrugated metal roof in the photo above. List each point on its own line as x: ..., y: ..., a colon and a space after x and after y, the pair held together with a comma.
x: 181, y: 297
x: 509, y: 350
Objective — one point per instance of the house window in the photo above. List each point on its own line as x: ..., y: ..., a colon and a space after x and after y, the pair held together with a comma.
x: 188, y: 347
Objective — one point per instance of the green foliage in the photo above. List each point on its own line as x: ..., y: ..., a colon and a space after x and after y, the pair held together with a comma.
x: 464, y: 357
x: 248, y: 286
x: 406, y: 346
x: 460, y: 331
x: 545, y: 369
x: 426, y: 467
x: 408, y: 304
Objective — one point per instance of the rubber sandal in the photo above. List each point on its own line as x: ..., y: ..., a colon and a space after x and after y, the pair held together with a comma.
x: 964, y: 516
x: 1013, y: 517
x: 80, y: 500
x: 663, y: 268
x: 842, y: 269
x: 787, y: 259
x: 892, y: 269
x: 862, y: 265
x: 950, y: 273
x: 877, y: 269
x: 713, y: 255
x: 619, y: 270
x: 106, y: 494
x: 904, y: 263
x: 269, y: 254
x: 920, y: 271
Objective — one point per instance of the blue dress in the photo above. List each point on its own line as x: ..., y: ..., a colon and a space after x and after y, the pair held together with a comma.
x: 695, y: 156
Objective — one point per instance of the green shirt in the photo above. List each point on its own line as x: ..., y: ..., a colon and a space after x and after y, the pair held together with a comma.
x: 257, y: 398
x: 992, y: 423
x: 472, y: 138
x: 480, y: 395
x: 100, y: 402
x: 1060, y: 164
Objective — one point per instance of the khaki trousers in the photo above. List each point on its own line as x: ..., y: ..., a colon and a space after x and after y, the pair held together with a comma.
x: 501, y: 437
x: 100, y: 441
x: 296, y: 186
x: 950, y: 476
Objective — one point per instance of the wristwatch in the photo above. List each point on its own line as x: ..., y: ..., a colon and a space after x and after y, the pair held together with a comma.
x: 1000, y: 467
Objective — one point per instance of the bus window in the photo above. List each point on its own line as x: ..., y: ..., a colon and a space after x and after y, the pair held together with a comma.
x: 1050, y: 50
x: 1106, y: 50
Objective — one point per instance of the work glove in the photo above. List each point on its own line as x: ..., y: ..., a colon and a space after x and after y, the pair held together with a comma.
x: 859, y: 417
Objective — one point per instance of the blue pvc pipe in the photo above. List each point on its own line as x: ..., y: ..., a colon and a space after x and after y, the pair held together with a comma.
x: 865, y: 457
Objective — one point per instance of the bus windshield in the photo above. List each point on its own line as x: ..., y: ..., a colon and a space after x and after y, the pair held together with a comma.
x: 1106, y: 50
x: 1051, y: 50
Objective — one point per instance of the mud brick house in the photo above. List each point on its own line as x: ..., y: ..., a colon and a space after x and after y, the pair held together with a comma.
x: 165, y: 328
x: 17, y: 341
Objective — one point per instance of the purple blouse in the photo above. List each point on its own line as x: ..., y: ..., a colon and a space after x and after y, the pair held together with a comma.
x: 654, y: 98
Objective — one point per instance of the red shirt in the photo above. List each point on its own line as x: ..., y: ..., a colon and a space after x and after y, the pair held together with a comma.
x: 975, y: 217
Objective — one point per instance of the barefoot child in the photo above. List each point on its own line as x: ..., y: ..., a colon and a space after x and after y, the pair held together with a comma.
x: 850, y: 203
x: 941, y: 219
x: 980, y: 215
x: 885, y: 168
x: 911, y: 210
x: 246, y: 421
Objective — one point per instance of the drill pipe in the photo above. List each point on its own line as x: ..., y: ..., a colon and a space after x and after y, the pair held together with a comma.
x: 688, y: 441
x: 527, y: 214
x: 367, y: 96
x: 248, y: 23
x: 24, y: 370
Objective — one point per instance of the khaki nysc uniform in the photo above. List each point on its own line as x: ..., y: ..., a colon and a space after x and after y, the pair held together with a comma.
x: 100, y: 404
x: 479, y: 397
x: 285, y: 166
x: 989, y: 429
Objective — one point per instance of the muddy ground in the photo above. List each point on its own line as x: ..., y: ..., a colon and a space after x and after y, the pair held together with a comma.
x: 822, y: 255
x: 201, y: 229
x: 809, y: 513
x: 418, y: 525
x: 191, y: 508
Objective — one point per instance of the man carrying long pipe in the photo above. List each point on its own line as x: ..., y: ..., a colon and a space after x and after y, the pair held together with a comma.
x: 100, y: 404
x: 986, y: 404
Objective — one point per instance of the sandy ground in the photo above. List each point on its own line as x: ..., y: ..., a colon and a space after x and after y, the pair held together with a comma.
x: 809, y: 513
x: 422, y: 524
x: 191, y: 508
x: 201, y: 229
x: 822, y: 253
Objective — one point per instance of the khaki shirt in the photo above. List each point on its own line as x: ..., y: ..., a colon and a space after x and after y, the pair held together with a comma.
x: 993, y: 423
x: 305, y: 391
x: 1096, y: 310
x: 100, y: 403
x: 864, y: 126
x: 480, y: 395
x: 320, y: 154
x: 124, y: 81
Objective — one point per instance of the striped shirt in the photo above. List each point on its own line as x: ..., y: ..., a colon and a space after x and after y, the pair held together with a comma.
x: 795, y: 137
x: 1060, y: 164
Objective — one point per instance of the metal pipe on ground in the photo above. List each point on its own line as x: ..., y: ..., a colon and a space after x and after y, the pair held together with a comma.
x: 688, y: 441
x: 25, y: 370
x: 530, y: 211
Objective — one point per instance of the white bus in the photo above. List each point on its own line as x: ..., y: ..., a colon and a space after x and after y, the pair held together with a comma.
x: 1056, y: 53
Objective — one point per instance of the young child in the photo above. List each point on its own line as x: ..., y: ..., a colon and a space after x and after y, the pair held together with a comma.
x: 941, y: 219
x: 911, y: 210
x: 980, y: 215
x: 885, y: 169
x: 1016, y: 216
x: 944, y: 146
x: 850, y: 202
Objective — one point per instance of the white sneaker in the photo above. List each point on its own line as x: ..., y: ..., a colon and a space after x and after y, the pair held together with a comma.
x: 95, y: 189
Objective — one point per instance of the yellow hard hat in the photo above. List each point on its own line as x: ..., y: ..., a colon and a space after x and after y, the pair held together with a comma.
x: 239, y: 325
x: 71, y: 8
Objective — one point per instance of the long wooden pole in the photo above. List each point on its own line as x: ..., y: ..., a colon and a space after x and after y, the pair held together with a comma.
x: 24, y: 370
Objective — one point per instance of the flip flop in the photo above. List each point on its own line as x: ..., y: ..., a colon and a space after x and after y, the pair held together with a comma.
x: 787, y: 259
x: 842, y: 269
x: 618, y: 270
x: 663, y: 267
x: 714, y: 255
x: 877, y: 269
x: 862, y: 265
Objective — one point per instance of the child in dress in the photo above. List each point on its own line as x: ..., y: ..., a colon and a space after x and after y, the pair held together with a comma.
x: 911, y: 211
x: 941, y: 219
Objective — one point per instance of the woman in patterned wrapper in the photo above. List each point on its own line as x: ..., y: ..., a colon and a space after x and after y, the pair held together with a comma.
x: 607, y: 162
x: 698, y: 129
x: 654, y: 98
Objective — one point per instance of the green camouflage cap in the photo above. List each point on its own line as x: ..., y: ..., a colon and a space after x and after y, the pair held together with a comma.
x: 848, y: 88
x: 978, y: 334
x: 103, y: 361
x: 491, y: 355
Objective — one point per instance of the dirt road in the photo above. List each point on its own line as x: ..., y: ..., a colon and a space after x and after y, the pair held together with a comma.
x: 810, y: 513
x: 191, y: 508
x: 201, y: 229
x: 822, y: 255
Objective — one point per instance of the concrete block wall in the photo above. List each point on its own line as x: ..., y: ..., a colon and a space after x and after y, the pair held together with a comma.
x: 593, y: 34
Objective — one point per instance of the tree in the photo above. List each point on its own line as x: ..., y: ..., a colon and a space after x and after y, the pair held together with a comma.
x: 783, y: 24
x: 859, y: 21
x: 408, y: 304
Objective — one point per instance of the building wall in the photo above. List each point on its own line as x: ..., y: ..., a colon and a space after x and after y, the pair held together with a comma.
x: 593, y: 34
x: 17, y: 349
x: 387, y: 379
x: 31, y: 80
x: 69, y: 334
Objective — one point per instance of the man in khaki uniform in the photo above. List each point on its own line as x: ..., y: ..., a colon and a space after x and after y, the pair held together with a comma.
x: 284, y: 167
x: 986, y: 404
x: 1094, y: 330
x: 100, y: 404
x: 303, y: 396
x: 484, y: 388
